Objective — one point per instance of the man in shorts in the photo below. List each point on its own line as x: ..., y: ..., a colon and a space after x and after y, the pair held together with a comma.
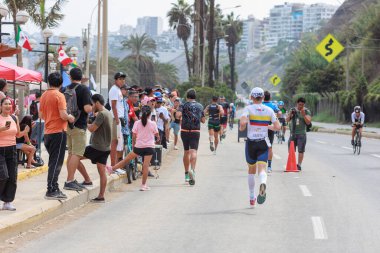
x: 192, y: 117
x: 224, y: 117
x: 267, y: 97
x: 282, y: 118
x: 257, y: 117
x: 99, y: 148
x: 214, y: 112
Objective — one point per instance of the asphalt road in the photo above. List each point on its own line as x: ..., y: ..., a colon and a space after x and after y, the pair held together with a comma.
x: 332, y: 206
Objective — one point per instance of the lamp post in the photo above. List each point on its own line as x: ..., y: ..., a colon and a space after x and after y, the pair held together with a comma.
x: 21, y: 18
x: 74, y: 53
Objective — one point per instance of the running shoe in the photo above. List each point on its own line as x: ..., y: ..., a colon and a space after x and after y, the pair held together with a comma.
x: 144, y: 188
x: 120, y: 172
x: 109, y: 169
x: 187, y: 177
x: 212, y: 146
x: 55, y: 195
x: 299, y: 167
x: 214, y: 152
x: 192, y: 177
x: 72, y: 186
x: 9, y: 206
x: 262, y: 194
x: 269, y: 170
x: 80, y: 185
x: 252, y: 202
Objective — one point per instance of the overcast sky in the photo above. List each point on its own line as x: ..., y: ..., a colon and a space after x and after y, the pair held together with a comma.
x: 78, y: 12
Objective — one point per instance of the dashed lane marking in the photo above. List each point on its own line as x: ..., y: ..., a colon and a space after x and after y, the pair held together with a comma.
x: 346, y: 148
x: 374, y: 155
x: 319, y: 228
x: 277, y: 157
x: 322, y: 142
x: 305, y: 191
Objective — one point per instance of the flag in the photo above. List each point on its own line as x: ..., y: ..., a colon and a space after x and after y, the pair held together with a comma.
x: 22, y: 39
x: 63, y: 58
x: 74, y: 63
x: 92, y: 83
x: 66, y: 79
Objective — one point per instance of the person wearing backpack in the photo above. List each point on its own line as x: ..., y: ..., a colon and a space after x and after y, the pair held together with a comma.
x: 39, y: 124
x: 78, y: 99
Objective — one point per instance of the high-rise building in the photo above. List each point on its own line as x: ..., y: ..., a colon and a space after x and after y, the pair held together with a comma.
x: 251, y: 29
x: 152, y: 26
x: 314, y: 15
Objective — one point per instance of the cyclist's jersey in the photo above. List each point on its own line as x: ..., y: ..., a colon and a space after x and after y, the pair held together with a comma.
x: 233, y: 110
x: 272, y: 106
x: 283, y: 113
x: 213, y: 112
x: 356, y: 119
x: 259, y: 116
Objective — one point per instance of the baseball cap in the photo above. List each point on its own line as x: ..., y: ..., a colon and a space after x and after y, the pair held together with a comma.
x: 257, y: 92
x: 157, y: 94
x: 120, y: 75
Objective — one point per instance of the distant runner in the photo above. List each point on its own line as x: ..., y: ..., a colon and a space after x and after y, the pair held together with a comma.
x: 258, y: 117
x: 214, y: 111
x: 282, y: 118
x: 224, y: 118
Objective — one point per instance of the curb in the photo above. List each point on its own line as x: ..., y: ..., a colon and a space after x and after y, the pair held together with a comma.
x: 22, y: 221
x: 23, y: 175
x: 343, y: 132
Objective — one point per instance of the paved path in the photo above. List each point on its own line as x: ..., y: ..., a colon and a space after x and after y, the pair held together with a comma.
x: 332, y: 206
x: 345, y: 126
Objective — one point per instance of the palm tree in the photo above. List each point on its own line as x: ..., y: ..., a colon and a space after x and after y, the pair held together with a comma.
x: 141, y: 47
x: 44, y: 17
x: 179, y: 19
x: 211, y: 44
x: 15, y: 6
x: 219, y: 34
x: 166, y: 74
x: 234, y: 31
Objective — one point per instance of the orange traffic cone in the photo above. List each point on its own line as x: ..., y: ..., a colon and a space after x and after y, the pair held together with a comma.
x: 291, y: 165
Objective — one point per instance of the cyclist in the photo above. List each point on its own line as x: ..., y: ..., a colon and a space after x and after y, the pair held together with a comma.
x: 214, y: 111
x: 274, y: 107
x: 357, y: 118
x: 282, y: 118
x: 232, y: 114
x: 224, y: 118
x: 257, y: 117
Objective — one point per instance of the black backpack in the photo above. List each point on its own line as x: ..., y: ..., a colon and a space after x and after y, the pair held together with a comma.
x: 34, y: 110
x: 72, y: 102
x: 108, y: 106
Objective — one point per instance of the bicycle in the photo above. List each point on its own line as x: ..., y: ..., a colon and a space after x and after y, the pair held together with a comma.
x: 132, y: 168
x: 357, y: 141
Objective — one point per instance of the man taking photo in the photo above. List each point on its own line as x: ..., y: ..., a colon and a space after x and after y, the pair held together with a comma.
x: 299, y: 119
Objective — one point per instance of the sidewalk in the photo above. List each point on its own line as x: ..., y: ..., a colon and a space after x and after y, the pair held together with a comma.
x: 370, y: 132
x: 33, y: 209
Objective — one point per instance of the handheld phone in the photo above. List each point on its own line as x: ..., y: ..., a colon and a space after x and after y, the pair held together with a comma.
x: 8, y: 124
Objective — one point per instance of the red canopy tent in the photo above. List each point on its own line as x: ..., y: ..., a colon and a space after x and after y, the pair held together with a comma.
x: 14, y: 73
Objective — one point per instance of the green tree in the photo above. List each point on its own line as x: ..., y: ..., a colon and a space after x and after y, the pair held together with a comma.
x: 141, y: 47
x: 219, y: 34
x: 166, y: 74
x: 211, y: 43
x: 234, y: 31
x: 45, y: 17
x: 179, y: 19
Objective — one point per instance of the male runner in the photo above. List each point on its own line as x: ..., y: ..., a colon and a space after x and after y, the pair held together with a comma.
x: 357, y: 118
x: 282, y: 118
x: 214, y: 111
x: 192, y: 117
x: 274, y: 107
x: 257, y: 117
x: 224, y: 118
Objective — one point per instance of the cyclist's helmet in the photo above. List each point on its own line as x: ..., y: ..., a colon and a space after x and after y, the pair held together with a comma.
x: 232, y: 105
x: 280, y: 103
x: 257, y: 92
x: 357, y: 109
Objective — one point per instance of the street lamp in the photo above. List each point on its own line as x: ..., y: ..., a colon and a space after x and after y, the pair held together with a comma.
x: 47, y: 33
x: 21, y: 18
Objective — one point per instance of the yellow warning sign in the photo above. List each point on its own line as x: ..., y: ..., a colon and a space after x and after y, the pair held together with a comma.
x: 275, y: 80
x: 330, y: 48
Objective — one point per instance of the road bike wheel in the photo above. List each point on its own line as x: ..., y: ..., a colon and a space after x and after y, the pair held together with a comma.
x: 357, y: 141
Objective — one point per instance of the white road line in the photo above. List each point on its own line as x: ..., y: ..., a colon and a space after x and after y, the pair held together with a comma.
x: 374, y: 155
x: 305, y: 191
x: 346, y: 147
x: 321, y: 142
x: 319, y: 228
x: 277, y: 157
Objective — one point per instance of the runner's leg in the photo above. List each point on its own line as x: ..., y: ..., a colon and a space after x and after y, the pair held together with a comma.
x: 145, y: 168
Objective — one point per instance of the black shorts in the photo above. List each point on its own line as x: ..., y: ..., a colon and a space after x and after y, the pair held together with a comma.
x: 143, y: 151
x: 96, y: 156
x: 271, y: 136
x: 282, y: 121
x: 256, y: 152
x: 190, y: 140
x: 214, y: 125
x: 223, y: 120
x: 299, y: 142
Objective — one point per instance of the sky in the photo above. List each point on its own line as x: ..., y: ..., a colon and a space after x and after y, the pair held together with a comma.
x: 78, y: 12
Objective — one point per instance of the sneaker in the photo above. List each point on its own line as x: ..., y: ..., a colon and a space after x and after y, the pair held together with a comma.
x: 187, y: 177
x: 269, y: 170
x: 72, y: 186
x: 283, y: 138
x: 144, y: 188
x: 299, y: 167
x: 212, y: 146
x: 352, y: 142
x: 175, y: 148
x: 87, y: 184
x: 55, y: 195
x: 109, y: 170
x: 252, y: 202
x: 80, y: 185
x: 192, y: 177
x: 120, y: 172
x: 262, y: 194
x: 8, y: 206
x: 98, y: 200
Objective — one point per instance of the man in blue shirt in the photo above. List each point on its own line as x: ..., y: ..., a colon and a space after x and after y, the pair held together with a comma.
x: 276, y: 110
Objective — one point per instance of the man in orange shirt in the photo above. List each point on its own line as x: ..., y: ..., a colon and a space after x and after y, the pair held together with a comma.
x: 53, y: 111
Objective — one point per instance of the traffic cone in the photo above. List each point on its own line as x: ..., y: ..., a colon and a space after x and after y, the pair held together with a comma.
x: 291, y: 166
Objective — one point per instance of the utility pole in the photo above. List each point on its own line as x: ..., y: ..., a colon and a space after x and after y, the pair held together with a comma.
x: 105, y: 48
x: 98, y: 64
x: 88, y: 50
x: 197, y: 29
x: 348, y: 66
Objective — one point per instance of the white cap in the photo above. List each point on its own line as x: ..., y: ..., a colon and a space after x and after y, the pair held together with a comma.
x: 257, y: 92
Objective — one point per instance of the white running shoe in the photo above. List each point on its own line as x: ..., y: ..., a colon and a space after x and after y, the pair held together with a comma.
x: 144, y: 188
x: 120, y: 172
x: 8, y: 206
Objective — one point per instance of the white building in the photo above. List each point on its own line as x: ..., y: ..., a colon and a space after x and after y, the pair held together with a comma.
x: 251, y: 30
x: 314, y: 15
x: 152, y: 26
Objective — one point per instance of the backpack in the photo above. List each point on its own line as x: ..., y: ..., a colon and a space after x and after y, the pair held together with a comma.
x: 108, y: 106
x: 72, y: 102
x: 34, y: 110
